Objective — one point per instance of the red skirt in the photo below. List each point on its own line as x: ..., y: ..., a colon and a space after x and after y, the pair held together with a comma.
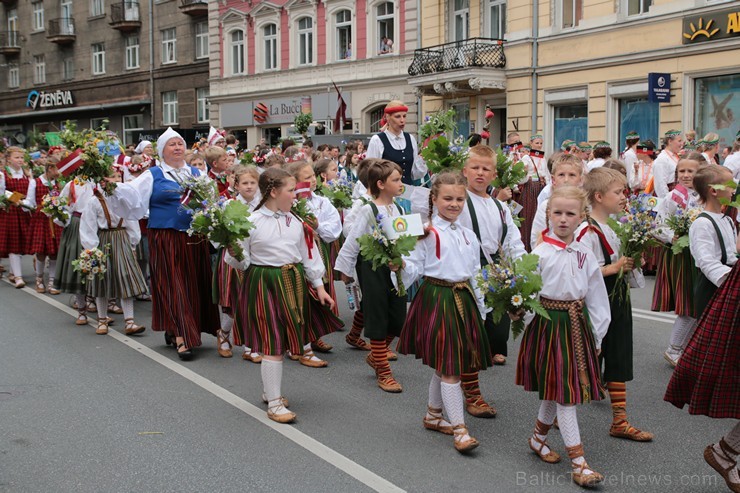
x: 528, y: 200
x: 44, y: 235
x: 707, y: 377
x: 14, y: 229
x: 181, y: 286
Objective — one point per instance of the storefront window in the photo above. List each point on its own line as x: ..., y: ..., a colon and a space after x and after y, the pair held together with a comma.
x: 717, y: 106
x: 638, y: 115
x: 571, y: 122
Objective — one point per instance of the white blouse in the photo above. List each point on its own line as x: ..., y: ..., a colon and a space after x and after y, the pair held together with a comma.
x: 592, y: 241
x: 330, y: 223
x: 490, y: 225
x: 705, y: 247
x: 276, y: 240
x: 664, y: 172
x: 83, y: 194
x: 668, y: 207
x: 536, y: 169
x: 93, y: 220
x: 539, y: 223
x: 595, y: 163
x: 630, y: 160
x: 571, y: 272
x: 31, y: 198
x: 29, y: 202
x: 733, y: 164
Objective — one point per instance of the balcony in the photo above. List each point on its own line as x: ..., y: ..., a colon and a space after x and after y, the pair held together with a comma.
x: 9, y: 43
x: 196, y: 8
x: 124, y: 16
x: 461, y: 67
x: 8, y: 3
x: 61, y: 31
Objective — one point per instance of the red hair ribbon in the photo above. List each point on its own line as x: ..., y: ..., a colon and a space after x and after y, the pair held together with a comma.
x: 308, y: 237
x: 395, y: 109
x: 438, y: 249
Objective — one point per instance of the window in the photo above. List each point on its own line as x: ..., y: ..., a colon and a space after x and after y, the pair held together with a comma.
x: 716, y: 106
x: 12, y: 20
x: 305, y: 41
x: 66, y: 10
x: 461, y: 19
x: 270, y: 34
x: 169, y: 108
x: 97, y: 123
x: 462, y: 119
x: 201, y: 40
x: 98, y: 58
x: 571, y: 13
x: 237, y: 52
x: 344, y: 35
x: 201, y: 95
x: 68, y: 68
x: 640, y: 115
x: 132, y: 51
x: 169, y: 46
x: 496, y: 19
x: 14, y: 76
x: 131, y: 125
x: 376, y: 116
x: 571, y: 122
x: 97, y: 8
x: 385, y: 27
x: 637, y: 7
x: 39, y: 69
x: 38, y: 16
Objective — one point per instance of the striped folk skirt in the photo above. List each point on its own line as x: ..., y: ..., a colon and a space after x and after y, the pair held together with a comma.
x: 123, y: 278
x: 70, y: 248
x: 707, y: 377
x: 683, y: 276
x: 445, y: 330
x: 325, y: 249
x: 181, y: 277
x: 528, y: 200
x: 272, y: 309
x: 663, y: 300
x: 226, y: 283
x: 44, y: 235
x: 548, y: 362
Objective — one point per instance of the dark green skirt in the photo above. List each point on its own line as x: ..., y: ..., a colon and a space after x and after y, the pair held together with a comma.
x: 616, y: 348
x: 70, y: 247
x: 384, y: 310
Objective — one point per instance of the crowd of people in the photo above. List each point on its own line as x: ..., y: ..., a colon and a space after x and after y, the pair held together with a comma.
x: 278, y: 297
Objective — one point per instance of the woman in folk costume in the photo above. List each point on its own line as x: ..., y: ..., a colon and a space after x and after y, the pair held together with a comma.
x: 631, y: 161
x: 709, y: 148
x: 15, y: 219
x: 664, y: 167
x: 536, y: 179
x: 102, y: 229
x: 216, y: 138
x: 180, y: 266
x: 45, y: 234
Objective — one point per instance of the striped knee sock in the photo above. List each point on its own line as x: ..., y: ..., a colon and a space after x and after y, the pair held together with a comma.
x: 470, y: 386
x: 379, y: 352
x: 388, y: 341
x: 618, y: 397
x: 358, y: 323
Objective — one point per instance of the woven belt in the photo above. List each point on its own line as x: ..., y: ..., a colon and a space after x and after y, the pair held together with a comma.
x: 456, y: 288
x: 294, y: 286
x: 578, y: 326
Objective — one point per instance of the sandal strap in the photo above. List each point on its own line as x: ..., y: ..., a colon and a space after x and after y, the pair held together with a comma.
x: 541, y: 428
x: 727, y: 450
x: 434, y: 411
x: 575, y: 451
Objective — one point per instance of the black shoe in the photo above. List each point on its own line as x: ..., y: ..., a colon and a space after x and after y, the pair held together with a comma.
x: 186, y: 355
x: 168, y: 340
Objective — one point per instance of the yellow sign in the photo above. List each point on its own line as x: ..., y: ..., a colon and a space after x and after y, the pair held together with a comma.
x: 711, y: 26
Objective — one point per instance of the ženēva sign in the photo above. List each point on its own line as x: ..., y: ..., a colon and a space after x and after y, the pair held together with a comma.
x: 54, y: 99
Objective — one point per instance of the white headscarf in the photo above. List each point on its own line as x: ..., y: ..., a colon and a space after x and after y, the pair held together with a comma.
x: 168, y: 135
x: 140, y: 148
x: 214, y: 136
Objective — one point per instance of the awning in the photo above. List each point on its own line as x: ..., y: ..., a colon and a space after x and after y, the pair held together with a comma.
x: 75, y: 109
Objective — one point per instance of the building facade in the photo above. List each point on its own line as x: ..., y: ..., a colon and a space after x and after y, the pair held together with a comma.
x: 140, y: 65
x: 276, y: 59
x: 578, y: 69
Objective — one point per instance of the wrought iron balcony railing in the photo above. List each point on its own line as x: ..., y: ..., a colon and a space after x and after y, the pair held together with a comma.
x: 126, y: 11
x: 472, y: 52
x: 9, y: 39
x: 61, y: 27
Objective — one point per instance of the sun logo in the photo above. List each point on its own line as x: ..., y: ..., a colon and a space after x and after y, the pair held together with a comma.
x: 400, y: 225
x: 702, y: 31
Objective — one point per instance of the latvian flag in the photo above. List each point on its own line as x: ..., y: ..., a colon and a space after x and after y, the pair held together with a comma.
x: 71, y: 163
x: 303, y: 190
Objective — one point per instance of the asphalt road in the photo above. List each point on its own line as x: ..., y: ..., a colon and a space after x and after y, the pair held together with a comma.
x: 86, y: 413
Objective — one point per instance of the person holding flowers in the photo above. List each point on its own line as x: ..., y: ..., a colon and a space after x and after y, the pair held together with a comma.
x: 605, y: 189
x: 274, y: 302
x: 558, y: 355
x: 384, y: 307
x: 123, y: 279
x: 218, y: 163
x: 493, y: 225
x: 180, y: 266
x: 14, y: 217
x: 47, y: 222
x: 676, y: 273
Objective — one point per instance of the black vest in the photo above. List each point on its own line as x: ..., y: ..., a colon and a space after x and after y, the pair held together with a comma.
x: 404, y: 158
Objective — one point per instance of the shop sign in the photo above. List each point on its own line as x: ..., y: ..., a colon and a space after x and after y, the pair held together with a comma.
x: 659, y: 87
x: 53, y: 99
x: 711, y: 26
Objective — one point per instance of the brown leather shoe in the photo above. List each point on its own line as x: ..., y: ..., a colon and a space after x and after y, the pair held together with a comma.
x: 321, y: 346
x: 81, y: 319
x: 222, y: 338
x: 254, y: 359
x: 312, y: 361
x: 130, y: 328
x: 389, y: 384
x: 102, y: 328
x: 479, y: 408
x: 464, y: 445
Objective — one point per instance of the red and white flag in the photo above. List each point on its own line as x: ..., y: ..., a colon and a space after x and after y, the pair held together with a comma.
x: 69, y: 165
x: 303, y: 190
x: 680, y: 195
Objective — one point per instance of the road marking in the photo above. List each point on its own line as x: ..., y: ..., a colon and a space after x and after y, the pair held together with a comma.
x: 667, y: 318
x: 344, y: 464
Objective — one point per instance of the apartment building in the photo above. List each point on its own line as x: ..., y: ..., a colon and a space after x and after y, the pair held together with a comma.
x: 275, y: 59
x: 142, y: 66
x: 579, y: 69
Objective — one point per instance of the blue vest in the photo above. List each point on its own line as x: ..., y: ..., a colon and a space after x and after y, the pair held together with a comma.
x: 165, y: 210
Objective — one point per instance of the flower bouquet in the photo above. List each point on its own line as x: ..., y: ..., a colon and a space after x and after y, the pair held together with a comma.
x: 55, y: 207
x: 509, y: 287
x: 439, y: 149
x: 197, y: 193
x: 680, y: 222
x: 223, y: 221
x: 302, y: 211
x: 247, y: 158
x: 91, y: 263
x: 377, y: 248
x: 339, y: 193
x: 4, y: 202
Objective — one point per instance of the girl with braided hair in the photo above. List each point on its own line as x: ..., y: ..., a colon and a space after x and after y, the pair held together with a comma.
x: 274, y: 302
x: 558, y: 356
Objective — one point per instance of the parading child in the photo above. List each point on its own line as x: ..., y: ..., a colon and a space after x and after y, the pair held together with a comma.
x: 45, y: 235
x: 385, y: 320
x: 15, y: 219
x: 494, y: 227
x: 274, y: 303
x: 605, y: 189
x: 444, y: 327
x: 558, y: 357
x: 218, y: 163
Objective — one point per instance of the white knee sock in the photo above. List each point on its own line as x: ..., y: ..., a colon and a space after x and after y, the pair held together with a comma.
x: 81, y: 302
x: 15, y: 264
x: 128, y: 307
x: 682, y: 329
x: 272, y: 378
x: 226, y: 323
x: 548, y: 410
x: 568, y: 423
x: 435, y: 392
x: 452, y: 398
x: 40, y: 262
x: 102, y: 304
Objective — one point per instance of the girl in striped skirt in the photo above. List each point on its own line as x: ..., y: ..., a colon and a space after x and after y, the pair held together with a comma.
x: 45, y: 234
x: 444, y: 327
x: 558, y: 357
x: 100, y: 228
x: 537, y: 178
x: 274, y: 302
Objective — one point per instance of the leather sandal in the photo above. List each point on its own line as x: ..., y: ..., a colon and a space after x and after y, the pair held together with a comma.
x: 102, y: 327
x: 464, y: 446
x: 52, y: 290
x: 40, y: 288
x: 622, y: 429
x: 221, y: 339
x: 273, y: 412
x: 710, y: 456
x: 478, y: 407
x: 435, y: 422
x: 312, y: 361
x: 185, y: 355
x: 285, y: 400
x: 19, y: 283
x: 321, y: 346
x: 293, y: 357
x: 81, y: 318
x: 578, y: 475
x: 357, y: 342
x: 541, y: 428
x: 247, y: 356
x: 389, y: 384
x: 113, y: 308
x: 130, y: 328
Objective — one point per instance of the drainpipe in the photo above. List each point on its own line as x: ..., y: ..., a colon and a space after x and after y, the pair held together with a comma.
x: 151, y: 64
x: 535, y: 34
x: 418, y: 45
